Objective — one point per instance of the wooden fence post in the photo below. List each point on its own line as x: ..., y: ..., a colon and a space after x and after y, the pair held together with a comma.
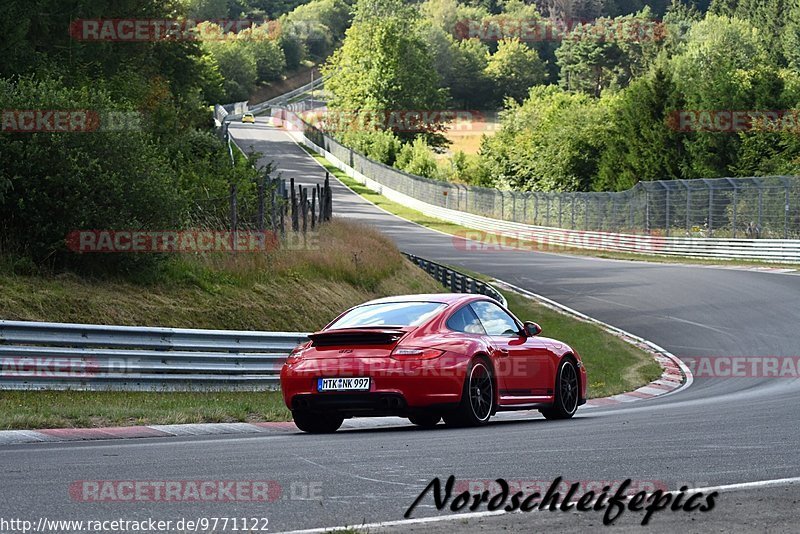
x: 313, y: 208
x: 328, y: 199
x: 284, y: 208
x: 304, y: 208
x: 261, y: 206
x: 295, y: 214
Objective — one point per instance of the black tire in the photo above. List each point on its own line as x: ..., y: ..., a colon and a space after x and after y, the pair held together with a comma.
x: 567, y: 392
x: 477, y: 399
x: 317, y: 423
x: 425, y: 420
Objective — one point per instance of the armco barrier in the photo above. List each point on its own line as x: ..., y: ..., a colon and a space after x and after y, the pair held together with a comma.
x: 59, y: 356
x: 456, y: 281
x: 523, y: 236
x: 96, y: 357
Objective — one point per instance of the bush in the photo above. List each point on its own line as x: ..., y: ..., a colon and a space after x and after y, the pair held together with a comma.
x: 417, y: 158
x: 381, y: 146
x: 55, y: 183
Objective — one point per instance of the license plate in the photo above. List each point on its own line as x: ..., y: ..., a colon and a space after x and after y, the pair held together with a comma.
x: 343, y: 384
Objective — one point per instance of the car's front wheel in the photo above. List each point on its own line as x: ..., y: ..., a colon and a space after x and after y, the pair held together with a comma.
x: 567, y: 392
x: 477, y: 400
x: 317, y: 423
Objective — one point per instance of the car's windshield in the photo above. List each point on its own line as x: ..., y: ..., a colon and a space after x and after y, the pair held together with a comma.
x: 388, y: 314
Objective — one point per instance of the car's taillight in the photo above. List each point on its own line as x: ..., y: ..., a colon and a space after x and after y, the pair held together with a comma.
x: 297, y: 353
x: 416, y: 354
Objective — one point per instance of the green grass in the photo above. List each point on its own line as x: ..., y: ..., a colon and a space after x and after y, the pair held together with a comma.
x: 283, y: 290
x: 456, y: 229
x: 83, y: 409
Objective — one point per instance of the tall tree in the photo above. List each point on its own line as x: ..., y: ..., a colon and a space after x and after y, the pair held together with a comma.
x: 515, y: 68
x: 643, y: 144
x: 608, y: 52
x: 384, y: 64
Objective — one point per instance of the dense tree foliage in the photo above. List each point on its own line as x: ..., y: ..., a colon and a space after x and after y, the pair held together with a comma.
x: 627, y: 91
x: 158, y: 169
x: 384, y: 64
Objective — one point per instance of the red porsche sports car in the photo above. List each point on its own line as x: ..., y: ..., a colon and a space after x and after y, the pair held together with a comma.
x: 426, y: 357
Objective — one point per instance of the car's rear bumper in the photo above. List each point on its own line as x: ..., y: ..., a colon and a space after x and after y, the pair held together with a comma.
x: 396, y: 387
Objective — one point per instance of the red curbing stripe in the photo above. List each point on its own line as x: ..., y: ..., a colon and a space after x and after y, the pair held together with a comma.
x: 102, y: 433
x: 277, y: 425
x: 604, y: 401
x: 656, y: 385
x: 639, y: 394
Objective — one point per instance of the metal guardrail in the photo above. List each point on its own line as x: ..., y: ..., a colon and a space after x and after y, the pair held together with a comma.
x: 740, y: 207
x: 522, y: 235
x: 86, y: 357
x: 455, y: 281
x: 95, y: 357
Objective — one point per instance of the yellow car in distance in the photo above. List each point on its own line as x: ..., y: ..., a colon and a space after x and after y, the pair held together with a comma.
x: 249, y: 117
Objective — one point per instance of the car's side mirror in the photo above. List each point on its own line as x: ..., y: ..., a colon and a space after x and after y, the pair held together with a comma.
x: 532, y: 329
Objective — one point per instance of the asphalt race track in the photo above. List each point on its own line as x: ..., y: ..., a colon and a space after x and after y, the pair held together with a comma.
x: 716, y: 432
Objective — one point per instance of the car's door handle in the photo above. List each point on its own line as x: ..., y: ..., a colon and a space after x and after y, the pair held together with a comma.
x: 503, y: 352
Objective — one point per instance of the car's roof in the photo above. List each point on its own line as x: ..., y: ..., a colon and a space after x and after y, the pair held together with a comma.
x: 444, y: 298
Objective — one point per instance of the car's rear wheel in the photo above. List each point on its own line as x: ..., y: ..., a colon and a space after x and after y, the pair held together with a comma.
x: 317, y: 423
x: 425, y: 420
x: 477, y: 400
x: 567, y: 392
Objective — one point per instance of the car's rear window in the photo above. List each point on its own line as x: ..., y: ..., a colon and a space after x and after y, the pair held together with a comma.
x: 389, y: 314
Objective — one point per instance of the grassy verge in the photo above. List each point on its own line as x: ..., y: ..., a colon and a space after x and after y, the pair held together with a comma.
x: 287, y: 290
x: 83, y: 409
x: 456, y: 229
x: 283, y: 290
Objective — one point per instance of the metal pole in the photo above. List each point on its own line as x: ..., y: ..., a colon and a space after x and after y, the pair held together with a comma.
x: 710, y: 211
x: 760, y: 204
x: 688, y: 210
x: 786, y: 213
x: 667, y: 213
x: 630, y: 210
x: 574, y: 196
x: 614, y: 212
x: 547, y: 221
x: 601, y: 213
x: 585, y: 213
x: 514, y: 206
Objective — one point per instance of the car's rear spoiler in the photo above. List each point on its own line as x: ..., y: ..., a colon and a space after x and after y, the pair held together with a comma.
x: 358, y: 336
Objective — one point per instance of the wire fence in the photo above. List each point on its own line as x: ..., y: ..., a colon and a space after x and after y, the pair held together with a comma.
x: 757, y: 207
